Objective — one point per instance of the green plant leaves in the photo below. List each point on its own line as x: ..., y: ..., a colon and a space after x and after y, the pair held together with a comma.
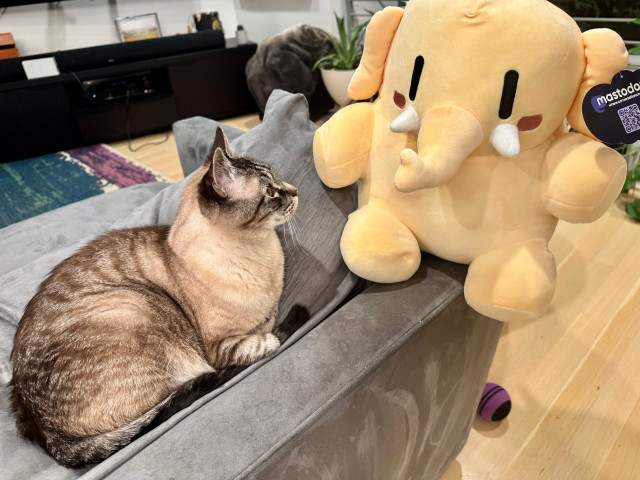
x: 633, y: 209
x: 635, y: 50
x: 341, y: 29
x: 629, y: 183
x: 347, y: 48
x: 633, y: 177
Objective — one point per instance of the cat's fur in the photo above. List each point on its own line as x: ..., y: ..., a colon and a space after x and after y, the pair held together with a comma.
x: 139, y: 315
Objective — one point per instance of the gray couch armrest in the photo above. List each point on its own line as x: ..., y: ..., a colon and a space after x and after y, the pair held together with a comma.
x: 386, y: 387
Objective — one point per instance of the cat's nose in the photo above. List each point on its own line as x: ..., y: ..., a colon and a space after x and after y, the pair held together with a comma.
x: 293, y: 191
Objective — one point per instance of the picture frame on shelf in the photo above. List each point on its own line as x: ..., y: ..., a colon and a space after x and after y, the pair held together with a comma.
x: 138, y: 27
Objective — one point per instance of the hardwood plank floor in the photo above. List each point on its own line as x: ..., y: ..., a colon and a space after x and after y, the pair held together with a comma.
x: 157, y: 151
x: 572, y: 374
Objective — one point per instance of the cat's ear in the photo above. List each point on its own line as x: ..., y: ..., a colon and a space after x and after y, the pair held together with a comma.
x: 220, y: 142
x: 221, y: 172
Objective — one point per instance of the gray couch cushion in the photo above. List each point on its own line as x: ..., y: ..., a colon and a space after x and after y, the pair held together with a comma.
x: 39, y: 235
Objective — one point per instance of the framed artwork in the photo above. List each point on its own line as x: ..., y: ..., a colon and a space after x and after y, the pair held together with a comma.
x: 140, y: 27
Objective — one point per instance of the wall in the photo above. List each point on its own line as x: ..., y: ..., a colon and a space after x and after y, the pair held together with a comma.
x: 48, y: 27
x: 264, y: 18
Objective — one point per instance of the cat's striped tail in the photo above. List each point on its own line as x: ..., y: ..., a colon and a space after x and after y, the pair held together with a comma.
x: 75, y: 452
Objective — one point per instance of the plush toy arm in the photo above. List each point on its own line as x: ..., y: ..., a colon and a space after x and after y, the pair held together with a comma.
x: 581, y: 178
x: 342, y: 145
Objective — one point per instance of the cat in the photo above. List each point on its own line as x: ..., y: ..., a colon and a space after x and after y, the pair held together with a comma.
x: 138, y: 315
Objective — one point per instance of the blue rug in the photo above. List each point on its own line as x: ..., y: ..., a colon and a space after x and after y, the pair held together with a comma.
x: 36, y: 185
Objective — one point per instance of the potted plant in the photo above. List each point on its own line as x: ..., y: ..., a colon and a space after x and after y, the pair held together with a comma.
x: 630, y: 189
x: 338, y: 67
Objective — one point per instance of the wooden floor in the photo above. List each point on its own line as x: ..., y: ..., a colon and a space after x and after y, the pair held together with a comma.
x: 573, y: 375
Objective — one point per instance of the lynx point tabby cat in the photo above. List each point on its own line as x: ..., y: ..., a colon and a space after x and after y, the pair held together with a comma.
x: 122, y: 327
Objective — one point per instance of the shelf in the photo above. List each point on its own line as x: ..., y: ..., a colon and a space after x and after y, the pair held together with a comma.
x: 50, y: 114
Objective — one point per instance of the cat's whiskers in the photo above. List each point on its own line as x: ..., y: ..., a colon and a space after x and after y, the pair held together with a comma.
x: 297, y: 228
x: 295, y: 233
x: 293, y: 240
x: 291, y: 226
x: 284, y: 237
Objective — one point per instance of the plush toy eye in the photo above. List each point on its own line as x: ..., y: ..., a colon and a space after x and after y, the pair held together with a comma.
x: 509, y: 88
x: 415, y: 76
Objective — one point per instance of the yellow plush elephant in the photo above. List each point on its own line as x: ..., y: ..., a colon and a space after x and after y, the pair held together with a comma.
x: 464, y: 154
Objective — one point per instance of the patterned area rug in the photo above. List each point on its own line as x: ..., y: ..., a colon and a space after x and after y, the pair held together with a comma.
x: 36, y: 185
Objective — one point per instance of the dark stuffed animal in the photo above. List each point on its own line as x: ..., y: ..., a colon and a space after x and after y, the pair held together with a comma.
x: 285, y: 62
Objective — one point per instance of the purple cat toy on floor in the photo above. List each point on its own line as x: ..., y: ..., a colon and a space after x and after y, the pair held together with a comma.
x: 495, y: 403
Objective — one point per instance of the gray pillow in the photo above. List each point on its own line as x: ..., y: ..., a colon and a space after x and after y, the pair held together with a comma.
x: 316, y: 279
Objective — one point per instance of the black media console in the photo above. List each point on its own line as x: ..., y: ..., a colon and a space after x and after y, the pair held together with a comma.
x: 106, y: 93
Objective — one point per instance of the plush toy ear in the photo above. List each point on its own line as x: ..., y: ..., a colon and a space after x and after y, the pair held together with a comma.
x: 377, y: 41
x: 605, y: 55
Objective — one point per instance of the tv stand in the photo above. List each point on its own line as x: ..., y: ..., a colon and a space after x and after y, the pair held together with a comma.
x: 127, y: 97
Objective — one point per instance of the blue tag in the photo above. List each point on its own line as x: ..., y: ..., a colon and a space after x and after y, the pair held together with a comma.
x: 612, y: 111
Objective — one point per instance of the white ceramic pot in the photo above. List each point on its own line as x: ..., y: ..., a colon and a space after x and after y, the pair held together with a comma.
x: 337, y: 82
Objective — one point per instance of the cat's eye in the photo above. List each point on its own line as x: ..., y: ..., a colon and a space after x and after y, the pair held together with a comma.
x: 271, y: 191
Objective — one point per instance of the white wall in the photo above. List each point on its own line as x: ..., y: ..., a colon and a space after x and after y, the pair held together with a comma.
x: 264, y: 18
x: 48, y: 27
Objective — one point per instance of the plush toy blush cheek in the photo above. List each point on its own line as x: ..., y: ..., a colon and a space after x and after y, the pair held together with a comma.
x: 399, y: 100
x: 529, y: 123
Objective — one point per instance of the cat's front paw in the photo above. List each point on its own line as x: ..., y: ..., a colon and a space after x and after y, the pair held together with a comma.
x: 244, y: 349
x: 271, y: 343
x: 258, y: 346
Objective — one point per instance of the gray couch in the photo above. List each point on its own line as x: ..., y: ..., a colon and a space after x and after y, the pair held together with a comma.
x: 379, y: 381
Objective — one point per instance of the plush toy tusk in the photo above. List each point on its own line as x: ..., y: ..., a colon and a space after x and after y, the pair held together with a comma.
x: 505, y: 140
x: 407, y: 121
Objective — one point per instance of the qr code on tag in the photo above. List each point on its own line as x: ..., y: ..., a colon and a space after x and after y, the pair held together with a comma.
x: 630, y: 118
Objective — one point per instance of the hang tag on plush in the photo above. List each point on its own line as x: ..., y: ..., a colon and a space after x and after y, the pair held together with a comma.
x: 612, y: 110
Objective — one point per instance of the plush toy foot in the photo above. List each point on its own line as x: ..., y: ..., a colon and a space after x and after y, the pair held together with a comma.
x: 514, y: 282
x: 377, y: 246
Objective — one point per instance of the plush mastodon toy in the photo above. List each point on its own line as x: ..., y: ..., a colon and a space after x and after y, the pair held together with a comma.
x: 464, y: 154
